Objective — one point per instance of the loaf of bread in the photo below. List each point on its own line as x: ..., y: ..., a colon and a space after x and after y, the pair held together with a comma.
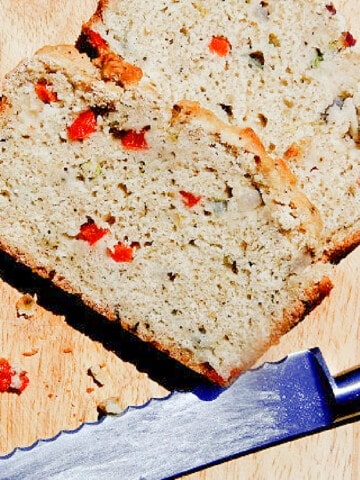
x: 206, y: 232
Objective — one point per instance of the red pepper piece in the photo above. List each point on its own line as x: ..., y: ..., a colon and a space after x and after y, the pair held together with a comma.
x: 5, y: 375
x: 121, y: 253
x: 10, y: 379
x: 331, y: 9
x: 189, y: 199
x: 134, y: 139
x: 44, y: 93
x: 96, y: 40
x: 83, y: 126
x: 347, y: 39
x: 220, y: 45
x: 90, y: 232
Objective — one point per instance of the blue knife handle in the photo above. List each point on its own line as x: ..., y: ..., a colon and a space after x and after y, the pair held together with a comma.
x: 347, y: 393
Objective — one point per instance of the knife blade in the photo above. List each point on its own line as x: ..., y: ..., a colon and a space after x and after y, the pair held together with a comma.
x: 186, y: 431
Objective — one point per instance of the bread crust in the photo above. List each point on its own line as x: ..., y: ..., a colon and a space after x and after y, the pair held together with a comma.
x: 113, y: 67
x: 69, y: 57
x: 342, y: 249
x: 98, y: 15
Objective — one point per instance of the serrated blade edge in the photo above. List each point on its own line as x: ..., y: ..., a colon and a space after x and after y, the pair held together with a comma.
x: 186, y: 430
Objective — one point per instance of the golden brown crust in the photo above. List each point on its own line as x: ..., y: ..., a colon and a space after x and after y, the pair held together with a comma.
x: 115, y: 69
x: 342, y: 249
x: 69, y: 58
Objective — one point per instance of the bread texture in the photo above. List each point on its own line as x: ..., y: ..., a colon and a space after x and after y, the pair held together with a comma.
x: 290, y: 73
x: 281, y: 57
x: 204, y: 222
x: 178, y: 236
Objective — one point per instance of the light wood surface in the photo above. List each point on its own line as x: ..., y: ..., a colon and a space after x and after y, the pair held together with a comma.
x: 57, y: 352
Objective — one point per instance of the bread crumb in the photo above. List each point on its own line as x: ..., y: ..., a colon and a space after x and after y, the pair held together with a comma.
x: 25, y: 306
x: 67, y: 350
x: 111, y: 406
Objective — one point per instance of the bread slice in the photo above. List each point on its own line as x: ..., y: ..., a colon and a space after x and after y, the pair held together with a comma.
x: 178, y: 225
x: 289, y: 72
x: 283, y: 68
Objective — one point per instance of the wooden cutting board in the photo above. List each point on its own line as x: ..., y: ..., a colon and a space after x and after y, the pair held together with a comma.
x: 58, y: 349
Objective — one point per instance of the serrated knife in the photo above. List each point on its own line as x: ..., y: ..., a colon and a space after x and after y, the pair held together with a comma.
x: 186, y: 431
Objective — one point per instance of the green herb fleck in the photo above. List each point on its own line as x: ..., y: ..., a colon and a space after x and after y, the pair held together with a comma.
x: 318, y: 58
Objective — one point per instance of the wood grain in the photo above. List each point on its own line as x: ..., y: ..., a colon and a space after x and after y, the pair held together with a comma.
x: 57, y: 354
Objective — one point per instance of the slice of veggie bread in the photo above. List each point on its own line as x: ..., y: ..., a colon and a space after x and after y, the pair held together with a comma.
x: 180, y: 226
